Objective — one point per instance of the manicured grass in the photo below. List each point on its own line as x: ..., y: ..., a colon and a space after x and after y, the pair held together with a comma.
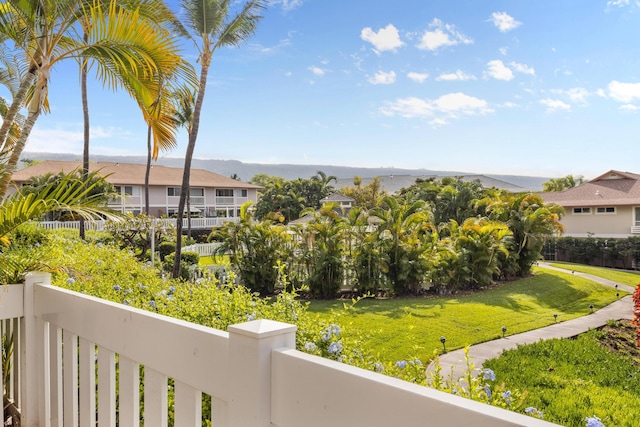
x: 571, y: 379
x: 625, y: 277
x: 411, y: 327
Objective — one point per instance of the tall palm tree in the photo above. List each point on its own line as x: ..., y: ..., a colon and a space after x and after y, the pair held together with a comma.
x: 212, y: 24
x: 130, y: 52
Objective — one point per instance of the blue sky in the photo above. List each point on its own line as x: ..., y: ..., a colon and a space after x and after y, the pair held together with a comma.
x: 542, y: 88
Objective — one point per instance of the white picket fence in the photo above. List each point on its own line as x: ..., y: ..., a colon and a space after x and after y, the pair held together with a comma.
x: 202, y: 249
x: 70, y: 344
x: 99, y: 225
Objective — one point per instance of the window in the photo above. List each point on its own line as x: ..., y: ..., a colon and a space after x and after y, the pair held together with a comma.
x: 224, y: 192
x: 244, y: 193
x: 637, y: 219
x: 581, y: 211
x: 128, y: 190
x: 196, y: 192
x: 606, y: 210
x: 173, y: 191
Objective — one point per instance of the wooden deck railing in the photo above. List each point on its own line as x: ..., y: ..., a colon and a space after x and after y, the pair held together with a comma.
x: 75, y: 350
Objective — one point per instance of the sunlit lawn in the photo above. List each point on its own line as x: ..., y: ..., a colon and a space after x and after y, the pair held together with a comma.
x: 398, y: 328
x: 630, y: 278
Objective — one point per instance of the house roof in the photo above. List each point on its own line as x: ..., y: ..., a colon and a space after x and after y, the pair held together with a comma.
x: 133, y: 174
x: 337, y: 197
x: 613, y: 188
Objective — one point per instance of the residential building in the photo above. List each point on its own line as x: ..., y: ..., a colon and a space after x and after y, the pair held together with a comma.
x: 210, y: 195
x: 608, y: 206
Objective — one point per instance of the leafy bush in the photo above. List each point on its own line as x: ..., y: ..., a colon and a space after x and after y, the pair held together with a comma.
x: 166, y: 248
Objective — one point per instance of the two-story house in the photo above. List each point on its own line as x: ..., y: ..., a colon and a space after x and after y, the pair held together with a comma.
x: 211, y: 195
x: 608, y: 206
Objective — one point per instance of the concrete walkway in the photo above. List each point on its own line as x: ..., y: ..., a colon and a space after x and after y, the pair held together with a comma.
x: 479, y: 353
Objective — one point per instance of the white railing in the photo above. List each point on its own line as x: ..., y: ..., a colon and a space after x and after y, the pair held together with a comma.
x: 202, y: 249
x: 99, y: 225
x: 635, y: 229
x: 253, y: 373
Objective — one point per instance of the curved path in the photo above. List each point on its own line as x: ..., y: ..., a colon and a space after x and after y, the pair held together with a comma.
x: 479, y: 353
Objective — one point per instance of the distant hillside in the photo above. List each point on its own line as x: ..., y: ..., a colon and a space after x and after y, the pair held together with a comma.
x: 246, y: 171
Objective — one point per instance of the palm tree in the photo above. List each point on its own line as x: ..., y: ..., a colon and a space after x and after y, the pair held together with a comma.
x: 530, y: 220
x: 157, y: 12
x: 404, y: 231
x: 129, y: 51
x: 212, y: 26
x: 64, y: 193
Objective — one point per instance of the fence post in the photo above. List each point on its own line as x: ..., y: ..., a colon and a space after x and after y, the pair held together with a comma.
x: 250, y: 346
x: 33, y: 357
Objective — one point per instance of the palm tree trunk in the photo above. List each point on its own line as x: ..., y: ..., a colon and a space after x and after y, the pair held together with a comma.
x: 147, y: 172
x: 85, y: 115
x: 193, y: 136
x: 10, y: 166
x: 16, y: 103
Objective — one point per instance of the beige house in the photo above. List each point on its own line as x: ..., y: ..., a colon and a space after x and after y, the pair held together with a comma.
x: 211, y: 195
x: 608, y: 206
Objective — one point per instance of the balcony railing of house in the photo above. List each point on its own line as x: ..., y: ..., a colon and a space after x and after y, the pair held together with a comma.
x: 225, y: 201
x: 73, y: 350
x: 99, y: 225
x: 635, y: 229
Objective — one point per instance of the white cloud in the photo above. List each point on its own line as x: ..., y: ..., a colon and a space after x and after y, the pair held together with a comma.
x: 317, y: 70
x: 440, y: 110
x: 288, y: 4
x: 629, y: 107
x: 624, y: 92
x: 523, y: 68
x: 497, y: 70
x: 386, y: 38
x: 440, y: 35
x: 504, y: 22
x: 383, y: 78
x: 618, y: 3
x: 578, y: 95
x: 417, y: 77
x: 458, y: 75
x: 503, y: 51
x: 555, y: 105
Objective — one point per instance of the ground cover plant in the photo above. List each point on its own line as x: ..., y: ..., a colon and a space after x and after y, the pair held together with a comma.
x: 597, y: 375
x: 395, y: 328
x: 630, y: 278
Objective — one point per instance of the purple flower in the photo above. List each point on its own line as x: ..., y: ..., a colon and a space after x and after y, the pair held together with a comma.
x: 487, y: 389
x: 335, y: 347
x: 594, y: 422
x: 488, y: 374
x: 153, y: 304
x: 71, y: 281
x: 378, y: 367
x: 401, y: 364
x: 116, y: 288
x: 309, y: 346
x: 507, y: 397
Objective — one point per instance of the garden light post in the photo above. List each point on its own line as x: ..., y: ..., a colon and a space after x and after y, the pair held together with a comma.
x: 443, y: 340
x: 504, y: 331
x: 555, y: 317
x: 591, y: 307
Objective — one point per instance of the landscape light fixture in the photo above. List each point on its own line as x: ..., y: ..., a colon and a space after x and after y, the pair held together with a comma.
x: 443, y: 340
x: 555, y: 317
x: 591, y: 307
x: 504, y: 331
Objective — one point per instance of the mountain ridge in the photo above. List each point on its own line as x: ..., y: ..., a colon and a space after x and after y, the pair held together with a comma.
x: 246, y: 171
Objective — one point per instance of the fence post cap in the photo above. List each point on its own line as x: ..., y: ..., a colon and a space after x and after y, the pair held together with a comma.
x: 262, y: 328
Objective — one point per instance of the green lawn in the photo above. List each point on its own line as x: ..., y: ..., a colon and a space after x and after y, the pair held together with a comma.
x: 630, y: 278
x: 399, y: 328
